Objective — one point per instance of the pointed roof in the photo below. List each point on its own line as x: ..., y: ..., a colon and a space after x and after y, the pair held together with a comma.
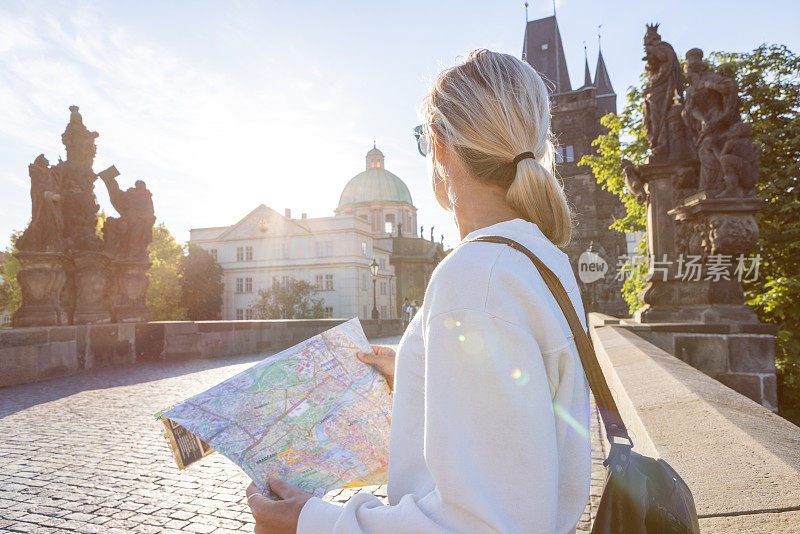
x: 544, y: 51
x: 587, y: 76
x: 601, y: 78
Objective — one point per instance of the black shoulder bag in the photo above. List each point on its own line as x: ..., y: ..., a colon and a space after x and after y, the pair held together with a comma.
x: 642, y: 495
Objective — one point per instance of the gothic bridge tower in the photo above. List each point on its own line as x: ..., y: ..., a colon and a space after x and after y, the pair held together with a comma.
x: 576, y: 123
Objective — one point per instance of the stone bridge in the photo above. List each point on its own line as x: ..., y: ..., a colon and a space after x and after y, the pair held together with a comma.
x: 82, y: 452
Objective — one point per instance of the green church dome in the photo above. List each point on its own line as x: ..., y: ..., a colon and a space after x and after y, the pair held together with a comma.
x: 375, y: 184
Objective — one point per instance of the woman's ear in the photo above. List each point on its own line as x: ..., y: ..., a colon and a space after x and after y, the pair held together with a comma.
x: 439, y: 149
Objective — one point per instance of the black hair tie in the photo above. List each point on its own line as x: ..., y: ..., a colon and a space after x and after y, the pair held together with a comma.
x: 524, y: 155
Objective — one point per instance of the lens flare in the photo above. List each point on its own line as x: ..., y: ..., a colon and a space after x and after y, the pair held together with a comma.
x: 564, y: 415
x: 461, y: 337
x: 520, y: 376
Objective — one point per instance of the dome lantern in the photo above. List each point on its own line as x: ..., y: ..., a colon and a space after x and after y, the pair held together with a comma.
x: 374, y: 158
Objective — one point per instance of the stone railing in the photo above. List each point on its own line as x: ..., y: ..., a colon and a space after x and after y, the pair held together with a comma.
x: 741, y: 461
x: 41, y: 353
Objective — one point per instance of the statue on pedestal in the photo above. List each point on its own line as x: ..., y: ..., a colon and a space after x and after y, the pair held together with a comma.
x: 698, y: 185
x: 126, y: 239
x: 66, y: 274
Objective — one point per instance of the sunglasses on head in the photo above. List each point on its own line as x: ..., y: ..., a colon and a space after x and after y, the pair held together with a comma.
x: 423, y: 141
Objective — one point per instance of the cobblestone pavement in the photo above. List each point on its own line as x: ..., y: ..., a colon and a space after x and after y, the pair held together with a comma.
x: 84, y: 454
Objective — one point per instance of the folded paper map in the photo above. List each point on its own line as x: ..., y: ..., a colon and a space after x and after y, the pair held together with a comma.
x: 313, y: 415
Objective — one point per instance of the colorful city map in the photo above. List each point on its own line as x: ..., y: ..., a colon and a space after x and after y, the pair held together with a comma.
x: 313, y: 415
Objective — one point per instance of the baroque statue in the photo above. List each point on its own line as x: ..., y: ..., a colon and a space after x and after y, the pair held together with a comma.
x: 699, y: 185
x: 663, y: 90
x: 46, y: 231
x: 728, y: 159
x: 127, y: 237
x: 68, y: 273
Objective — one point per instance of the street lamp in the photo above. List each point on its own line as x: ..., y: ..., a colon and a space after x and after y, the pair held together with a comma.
x: 373, y: 268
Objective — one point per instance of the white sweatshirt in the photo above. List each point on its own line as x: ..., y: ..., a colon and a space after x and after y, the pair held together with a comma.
x: 491, y: 410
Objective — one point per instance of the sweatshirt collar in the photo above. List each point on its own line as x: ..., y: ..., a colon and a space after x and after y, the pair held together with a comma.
x: 517, y: 229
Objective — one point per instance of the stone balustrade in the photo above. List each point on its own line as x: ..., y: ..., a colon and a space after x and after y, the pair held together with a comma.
x: 741, y: 461
x: 41, y: 353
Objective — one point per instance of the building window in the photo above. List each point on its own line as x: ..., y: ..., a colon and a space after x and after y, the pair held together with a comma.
x: 318, y: 283
x: 324, y: 248
x: 382, y: 263
x: 213, y: 253
x: 285, y: 281
x: 239, y: 314
x: 239, y: 285
x: 383, y: 288
x: 248, y: 314
x: 248, y: 253
x: 280, y: 250
x: 248, y: 286
x: 328, y: 312
x: 383, y: 312
x: 239, y: 253
x: 363, y: 281
x: 363, y: 248
x: 560, y: 154
x: 276, y: 283
x: 570, y: 154
x: 545, y: 46
x: 364, y: 312
x: 328, y: 282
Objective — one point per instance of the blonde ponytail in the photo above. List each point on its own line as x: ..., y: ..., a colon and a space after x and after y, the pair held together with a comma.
x: 490, y: 109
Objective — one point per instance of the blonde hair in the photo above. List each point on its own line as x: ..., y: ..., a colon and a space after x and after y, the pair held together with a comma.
x: 489, y: 109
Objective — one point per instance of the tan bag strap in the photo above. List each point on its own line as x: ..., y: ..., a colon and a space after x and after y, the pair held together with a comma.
x: 594, y: 374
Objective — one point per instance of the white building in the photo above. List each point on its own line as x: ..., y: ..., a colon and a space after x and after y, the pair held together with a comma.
x: 334, y: 253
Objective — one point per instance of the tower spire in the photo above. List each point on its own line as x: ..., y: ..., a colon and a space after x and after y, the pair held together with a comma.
x: 601, y: 79
x: 587, y: 76
x: 599, y: 37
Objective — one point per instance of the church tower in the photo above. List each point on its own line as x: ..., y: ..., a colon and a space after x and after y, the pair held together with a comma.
x: 576, y: 123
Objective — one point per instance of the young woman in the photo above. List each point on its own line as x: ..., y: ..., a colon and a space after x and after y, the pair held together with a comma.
x: 491, y: 408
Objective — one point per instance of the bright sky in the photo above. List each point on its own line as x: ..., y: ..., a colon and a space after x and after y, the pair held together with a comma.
x: 221, y: 106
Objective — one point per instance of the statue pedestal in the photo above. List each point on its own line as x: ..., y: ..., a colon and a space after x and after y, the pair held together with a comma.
x: 130, y: 291
x: 715, y: 232
x: 697, y: 312
x: 91, y: 288
x: 41, y: 280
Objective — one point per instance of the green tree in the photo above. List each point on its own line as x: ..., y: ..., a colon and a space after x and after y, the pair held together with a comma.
x: 10, y: 292
x: 769, y: 83
x: 625, y: 139
x: 295, y: 299
x: 164, y: 291
x: 201, y: 284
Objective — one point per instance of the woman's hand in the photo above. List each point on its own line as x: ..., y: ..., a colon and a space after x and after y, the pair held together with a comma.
x: 382, y: 359
x: 276, y: 517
